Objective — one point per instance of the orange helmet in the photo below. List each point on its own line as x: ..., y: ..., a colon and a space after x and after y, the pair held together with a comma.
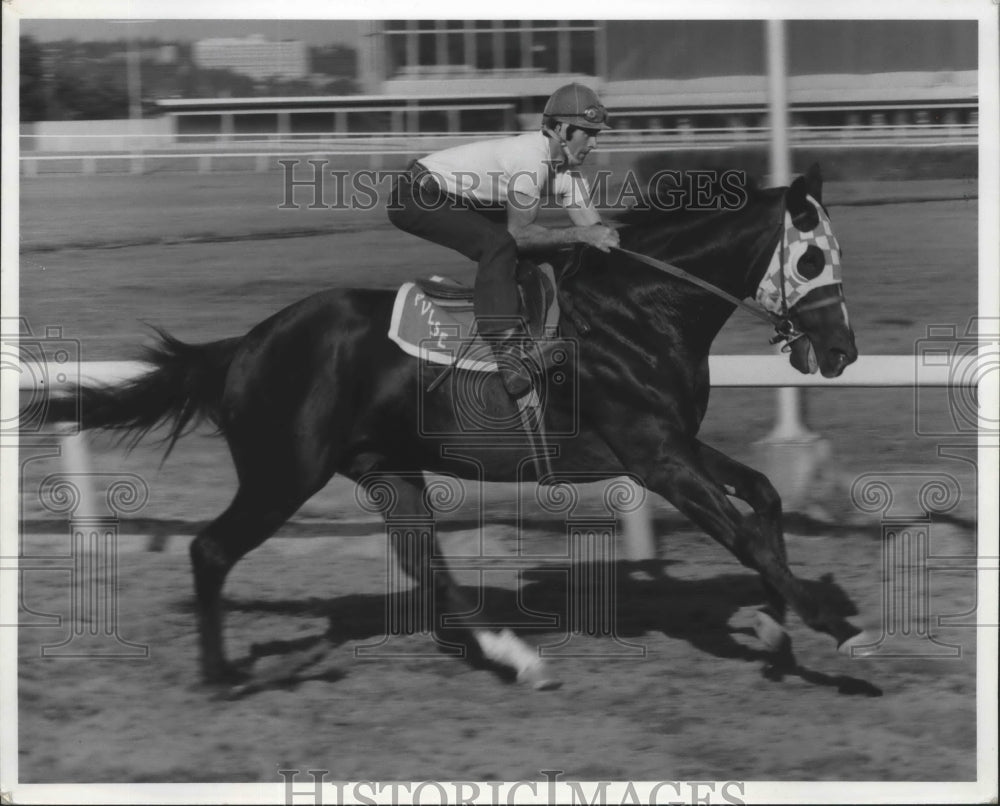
x: 577, y: 105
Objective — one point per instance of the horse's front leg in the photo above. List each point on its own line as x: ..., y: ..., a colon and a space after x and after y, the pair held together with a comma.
x: 679, y: 475
x: 755, y: 489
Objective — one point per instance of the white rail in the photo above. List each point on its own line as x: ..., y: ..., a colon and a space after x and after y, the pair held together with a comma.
x: 263, y: 149
x: 875, y: 371
x: 615, y: 135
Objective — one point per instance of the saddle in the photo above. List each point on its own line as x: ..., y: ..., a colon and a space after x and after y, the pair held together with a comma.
x: 433, y: 317
x: 536, y: 288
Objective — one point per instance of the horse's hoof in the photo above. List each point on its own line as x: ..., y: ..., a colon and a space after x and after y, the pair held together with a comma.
x: 770, y: 632
x: 225, y: 675
x: 538, y: 677
x: 231, y: 683
x: 237, y: 691
x: 860, y: 645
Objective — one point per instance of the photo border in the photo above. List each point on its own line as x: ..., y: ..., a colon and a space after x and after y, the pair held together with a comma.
x: 989, y: 258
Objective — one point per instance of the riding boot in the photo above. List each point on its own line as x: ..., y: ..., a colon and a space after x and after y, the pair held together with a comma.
x: 510, y: 348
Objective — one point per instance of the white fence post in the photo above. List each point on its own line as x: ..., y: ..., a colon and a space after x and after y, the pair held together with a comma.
x: 790, y: 454
x: 637, y: 525
x: 77, y: 465
x: 790, y: 426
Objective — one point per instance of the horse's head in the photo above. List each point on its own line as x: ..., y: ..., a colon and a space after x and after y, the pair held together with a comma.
x: 804, y: 284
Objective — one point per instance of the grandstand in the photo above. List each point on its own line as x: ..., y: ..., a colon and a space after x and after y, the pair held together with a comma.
x: 666, y: 82
x: 479, y: 76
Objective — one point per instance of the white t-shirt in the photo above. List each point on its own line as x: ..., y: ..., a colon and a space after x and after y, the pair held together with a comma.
x: 489, y: 170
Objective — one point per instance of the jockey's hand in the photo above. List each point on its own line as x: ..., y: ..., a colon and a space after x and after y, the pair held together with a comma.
x: 601, y: 237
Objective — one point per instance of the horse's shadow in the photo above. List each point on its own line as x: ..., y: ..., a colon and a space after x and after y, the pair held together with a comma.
x: 698, y: 611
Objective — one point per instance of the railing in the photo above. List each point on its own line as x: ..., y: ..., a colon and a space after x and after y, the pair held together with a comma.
x: 875, y: 371
x: 618, y: 138
x: 140, y: 152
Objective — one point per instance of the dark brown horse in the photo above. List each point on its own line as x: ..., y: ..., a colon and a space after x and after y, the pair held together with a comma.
x: 318, y: 389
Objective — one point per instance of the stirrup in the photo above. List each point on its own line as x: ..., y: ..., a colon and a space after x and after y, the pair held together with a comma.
x: 510, y: 351
x: 528, y: 401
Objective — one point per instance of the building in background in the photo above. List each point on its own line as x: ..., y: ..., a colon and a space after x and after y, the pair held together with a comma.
x: 254, y: 56
x: 655, y: 76
x: 647, y: 69
x: 855, y: 72
x: 530, y: 56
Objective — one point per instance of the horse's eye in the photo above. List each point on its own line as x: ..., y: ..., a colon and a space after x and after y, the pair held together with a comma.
x: 811, y: 264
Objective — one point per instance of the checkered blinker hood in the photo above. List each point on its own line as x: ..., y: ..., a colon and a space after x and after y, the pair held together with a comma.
x: 811, y: 260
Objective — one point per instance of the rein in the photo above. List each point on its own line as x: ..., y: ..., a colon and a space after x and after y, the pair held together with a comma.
x: 784, y: 328
x: 676, y: 271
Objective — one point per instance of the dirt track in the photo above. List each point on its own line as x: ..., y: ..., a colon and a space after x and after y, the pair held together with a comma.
x: 695, y: 707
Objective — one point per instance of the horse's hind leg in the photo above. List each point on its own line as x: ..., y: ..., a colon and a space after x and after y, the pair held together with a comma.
x: 251, y: 518
x: 402, y: 497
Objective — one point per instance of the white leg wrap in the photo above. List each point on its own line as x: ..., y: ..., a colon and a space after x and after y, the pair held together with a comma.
x: 771, y: 634
x: 862, y: 645
x: 506, y: 648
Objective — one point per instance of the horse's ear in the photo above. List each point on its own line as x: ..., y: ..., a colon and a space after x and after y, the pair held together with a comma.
x: 795, y: 199
x: 814, y: 182
x: 803, y: 212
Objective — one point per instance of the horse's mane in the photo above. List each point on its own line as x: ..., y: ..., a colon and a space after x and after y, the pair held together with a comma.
x: 665, y: 211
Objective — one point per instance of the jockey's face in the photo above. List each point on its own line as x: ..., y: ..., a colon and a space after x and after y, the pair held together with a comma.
x: 578, y: 143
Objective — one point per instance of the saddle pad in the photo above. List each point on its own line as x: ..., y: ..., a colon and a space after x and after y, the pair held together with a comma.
x: 425, y: 328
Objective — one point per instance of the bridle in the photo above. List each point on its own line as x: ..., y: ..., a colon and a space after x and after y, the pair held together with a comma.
x: 784, y: 327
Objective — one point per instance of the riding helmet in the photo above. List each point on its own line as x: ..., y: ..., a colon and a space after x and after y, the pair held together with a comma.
x: 577, y: 105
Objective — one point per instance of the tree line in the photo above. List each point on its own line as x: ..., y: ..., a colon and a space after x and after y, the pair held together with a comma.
x: 70, y: 80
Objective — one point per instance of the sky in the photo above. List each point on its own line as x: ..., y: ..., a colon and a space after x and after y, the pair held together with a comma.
x: 313, y: 32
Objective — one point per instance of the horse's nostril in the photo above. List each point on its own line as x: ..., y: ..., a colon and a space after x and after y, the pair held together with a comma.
x: 843, y: 358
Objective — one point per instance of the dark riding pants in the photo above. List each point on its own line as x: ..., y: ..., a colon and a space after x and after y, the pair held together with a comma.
x: 423, y: 209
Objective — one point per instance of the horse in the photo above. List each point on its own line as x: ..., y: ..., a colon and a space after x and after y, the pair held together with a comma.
x: 319, y: 389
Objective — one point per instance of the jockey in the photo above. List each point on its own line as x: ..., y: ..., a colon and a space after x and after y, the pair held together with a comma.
x: 453, y: 198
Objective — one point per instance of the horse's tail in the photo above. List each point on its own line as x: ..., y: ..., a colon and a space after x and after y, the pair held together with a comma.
x: 183, y: 388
